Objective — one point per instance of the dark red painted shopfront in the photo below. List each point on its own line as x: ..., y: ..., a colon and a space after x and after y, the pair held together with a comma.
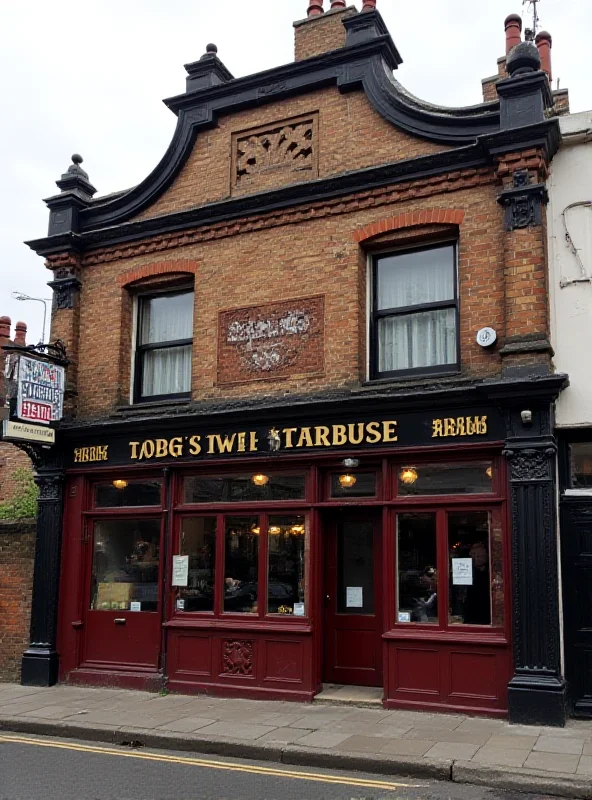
x: 371, y: 553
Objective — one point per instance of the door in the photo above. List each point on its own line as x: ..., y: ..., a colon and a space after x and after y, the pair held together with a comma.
x: 353, y: 599
x: 123, y: 620
x: 576, y: 535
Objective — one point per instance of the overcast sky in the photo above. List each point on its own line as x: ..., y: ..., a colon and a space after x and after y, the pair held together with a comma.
x: 88, y: 76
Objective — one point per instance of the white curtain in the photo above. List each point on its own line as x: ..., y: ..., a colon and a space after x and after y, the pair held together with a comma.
x: 167, y: 371
x: 426, y: 339
x: 409, y: 279
x: 167, y: 318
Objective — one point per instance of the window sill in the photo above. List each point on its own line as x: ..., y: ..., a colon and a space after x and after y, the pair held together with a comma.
x: 490, y: 636
x: 419, y: 377
x: 139, y: 408
x: 263, y: 625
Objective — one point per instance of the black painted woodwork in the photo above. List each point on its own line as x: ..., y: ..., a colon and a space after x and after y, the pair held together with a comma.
x: 537, y: 691
x: 40, y: 661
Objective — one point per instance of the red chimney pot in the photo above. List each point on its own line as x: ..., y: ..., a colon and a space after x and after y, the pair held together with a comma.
x: 338, y: 4
x: 4, y: 327
x: 315, y: 8
x: 369, y: 5
x: 544, y: 42
x: 513, y: 28
x: 20, y: 335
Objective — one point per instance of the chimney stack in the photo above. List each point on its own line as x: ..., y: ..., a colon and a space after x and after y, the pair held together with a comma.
x: 20, y: 333
x: 513, y: 26
x: 315, y: 8
x: 369, y: 5
x: 4, y: 329
x: 544, y: 43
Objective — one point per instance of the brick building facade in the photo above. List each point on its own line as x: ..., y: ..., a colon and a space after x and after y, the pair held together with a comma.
x: 314, y: 442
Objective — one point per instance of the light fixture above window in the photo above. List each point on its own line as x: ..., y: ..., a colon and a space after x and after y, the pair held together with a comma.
x: 119, y: 483
x: 408, y: 475
x: 347, y: 480
x: 260, y: 479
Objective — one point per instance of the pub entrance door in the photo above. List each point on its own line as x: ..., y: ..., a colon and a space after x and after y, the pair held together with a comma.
x: 123, y: 609
x: 576, y: 536
x: 353, y: 598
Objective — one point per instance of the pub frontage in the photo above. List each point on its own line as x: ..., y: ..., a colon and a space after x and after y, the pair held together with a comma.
x: 308, y: 408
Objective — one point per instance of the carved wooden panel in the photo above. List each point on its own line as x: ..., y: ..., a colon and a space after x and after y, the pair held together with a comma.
x: 275, y: 154
x: 237, y: 657
x: 271, y: 341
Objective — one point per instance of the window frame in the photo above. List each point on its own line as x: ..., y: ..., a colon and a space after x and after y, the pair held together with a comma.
x: 141, y: 349
x: 376, y: 315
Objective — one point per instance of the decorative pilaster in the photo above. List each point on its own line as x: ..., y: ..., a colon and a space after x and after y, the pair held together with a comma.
x: 40, y: 660
x: 537, y: 692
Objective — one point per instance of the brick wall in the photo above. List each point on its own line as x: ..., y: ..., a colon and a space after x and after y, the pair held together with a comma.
x: 11, y: 460
x: 321, y: 34
x: 17, y: 550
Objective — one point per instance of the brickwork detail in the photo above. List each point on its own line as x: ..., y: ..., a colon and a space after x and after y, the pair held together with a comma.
x: 17, y: 551
x: 284, y: 153
x: 237, y: 658
x: 271, y: 341
x: 11, y: 460
x: 161, y: 268
x: 433, y: 216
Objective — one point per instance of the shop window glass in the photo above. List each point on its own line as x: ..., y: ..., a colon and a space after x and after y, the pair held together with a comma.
x: 426, y: 479
x: 286, y: 537
x: 353, y: 484
x: 417, y: 580
x: 121, y: 494
x: 355, y: 568
x: 581, y: 465
x: 125, y: 565
x: 472, y: 559
x: 243, y: 488
x: 198, y: 543
x: 241, y: 550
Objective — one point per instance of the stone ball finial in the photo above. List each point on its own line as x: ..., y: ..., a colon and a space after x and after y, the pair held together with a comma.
x: 77, y: 159
x: 524, y: 58
x: 211, y: 48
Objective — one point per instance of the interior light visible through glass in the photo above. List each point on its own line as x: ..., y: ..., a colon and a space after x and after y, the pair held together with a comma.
x: 347, y: 480
x: 408, y: 475
x: 489, y: 472
x: 260, y: 480
x: 119, y: 483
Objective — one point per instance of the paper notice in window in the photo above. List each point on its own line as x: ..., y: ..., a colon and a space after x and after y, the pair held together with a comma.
x: 180, y: 570
x: 354, y: 596
x: 462, y: 571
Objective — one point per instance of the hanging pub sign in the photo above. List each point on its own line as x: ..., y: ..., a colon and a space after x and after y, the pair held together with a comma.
x: 40, y: 391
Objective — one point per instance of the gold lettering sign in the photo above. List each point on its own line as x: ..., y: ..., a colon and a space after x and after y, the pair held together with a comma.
x: 458, y: 426
x: 86, y: 455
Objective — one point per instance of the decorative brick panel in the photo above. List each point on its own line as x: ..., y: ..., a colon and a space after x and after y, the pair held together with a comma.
x: 273, y: 155
x: 271, y: 341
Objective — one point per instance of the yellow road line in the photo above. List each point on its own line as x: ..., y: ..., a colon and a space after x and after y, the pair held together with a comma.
x: 221, y: 765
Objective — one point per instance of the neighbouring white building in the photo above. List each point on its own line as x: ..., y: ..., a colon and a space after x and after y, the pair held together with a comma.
x: 569, y: 218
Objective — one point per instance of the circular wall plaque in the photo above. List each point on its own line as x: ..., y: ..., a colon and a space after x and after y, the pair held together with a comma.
x: 486, y: 337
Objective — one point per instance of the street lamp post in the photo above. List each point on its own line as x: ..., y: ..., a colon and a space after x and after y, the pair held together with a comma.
x: 22, y: 296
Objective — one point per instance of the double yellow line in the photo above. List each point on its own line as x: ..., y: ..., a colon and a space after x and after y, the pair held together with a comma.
x: 317, y: 777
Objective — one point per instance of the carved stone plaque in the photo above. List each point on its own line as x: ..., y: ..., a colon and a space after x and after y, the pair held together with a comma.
x: 271, y: 341
x: 275, y: 154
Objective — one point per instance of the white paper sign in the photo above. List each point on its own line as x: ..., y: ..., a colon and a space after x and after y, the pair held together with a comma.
x: 404, y: 616
x: 135, y: 605
x: 462, y: 571
x: 354, y: 596
x: 180, y: 570
x: 180, y: 604
x: 298, y: 609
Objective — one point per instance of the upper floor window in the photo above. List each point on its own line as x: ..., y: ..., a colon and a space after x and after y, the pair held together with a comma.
x: 415, y: 312
x: 164, y: 346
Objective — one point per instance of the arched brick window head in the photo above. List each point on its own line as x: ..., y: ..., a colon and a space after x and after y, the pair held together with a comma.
x: 432, y: 216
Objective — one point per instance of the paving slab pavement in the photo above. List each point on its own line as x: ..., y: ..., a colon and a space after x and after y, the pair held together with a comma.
x: 488, y: 752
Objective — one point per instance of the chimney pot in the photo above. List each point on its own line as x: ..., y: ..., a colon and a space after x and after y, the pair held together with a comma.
x: 369, y: 5
x: 20, y: 335
x: 315, y: 8
x: 4, y: 327
x: 544, y: 42
x: 513, y: 28
x: 338, y: 4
